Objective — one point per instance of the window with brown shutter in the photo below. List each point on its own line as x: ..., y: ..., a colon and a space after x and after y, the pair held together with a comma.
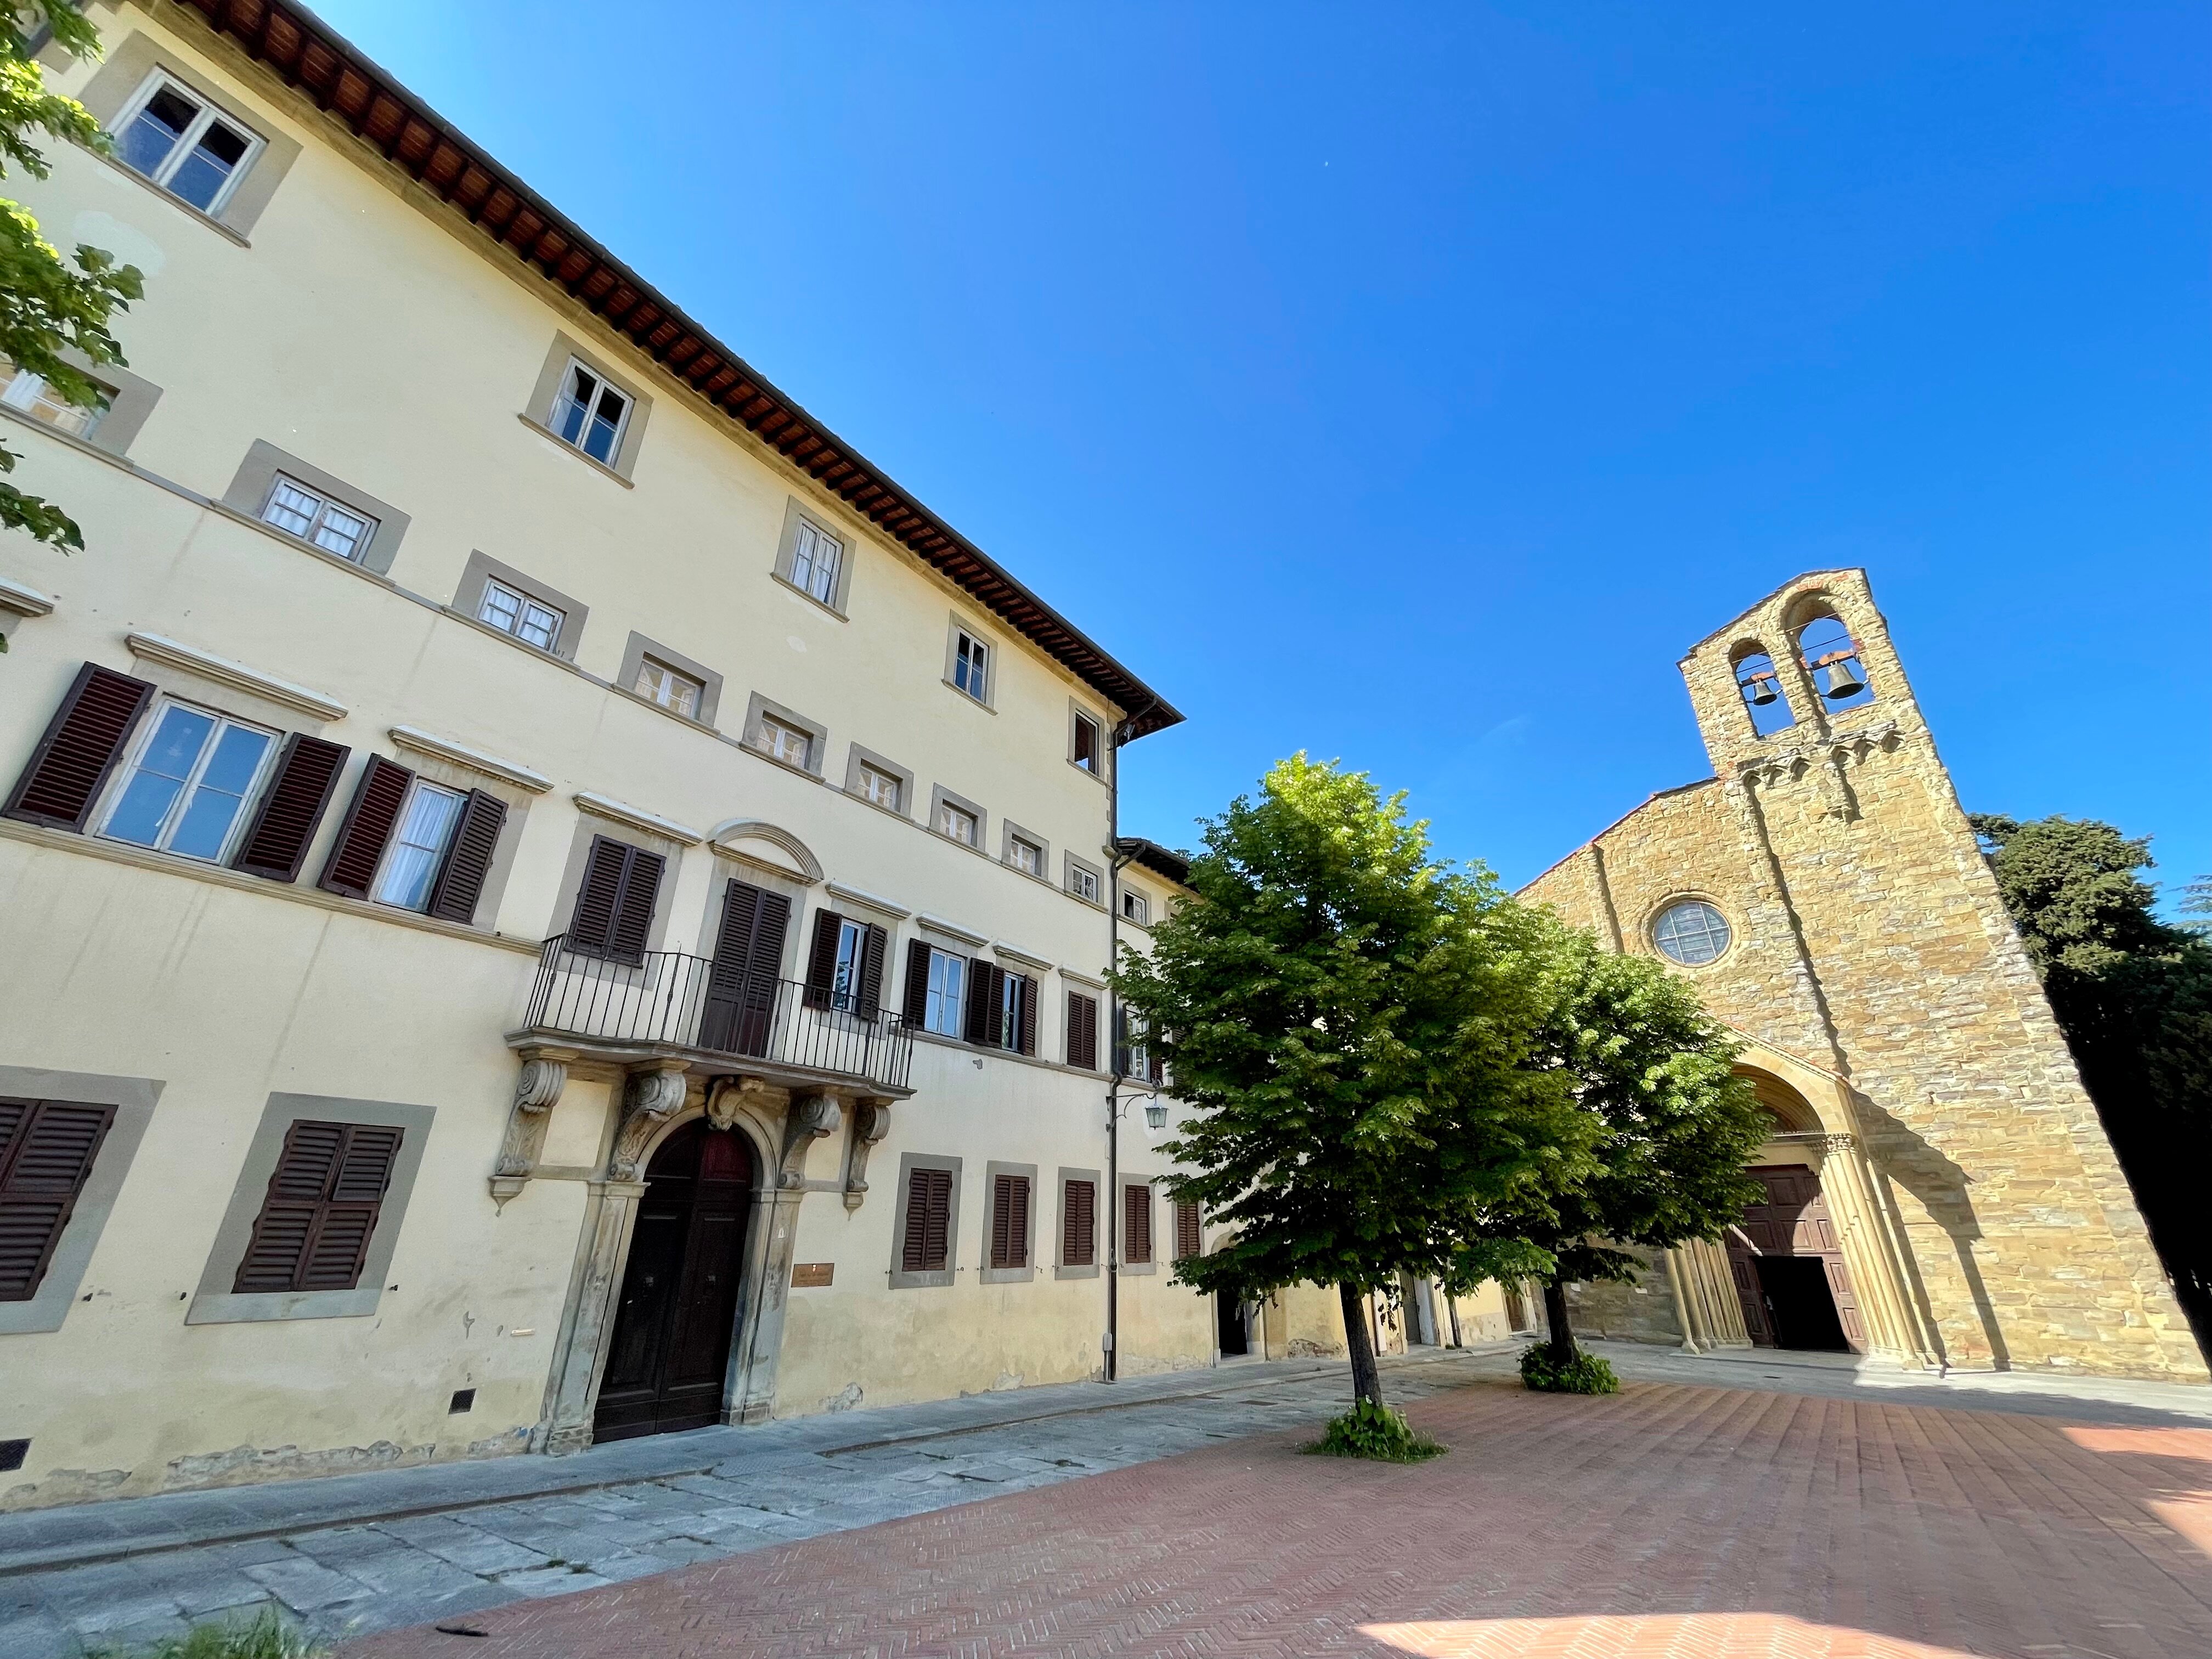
x: 987, y: 996
x: 1078, y: 1223
x: 822, y: 960
x: 1136, y: 1223
x: 916, y: 1008
x: 1010, y: 1221
x: 1083, y: 1031
x: 46, y: 1152
x: 460, y: 882
x: 873, y: 946
x: 1190, y: 1238
x: 614, y: 903
x: 315, y: 1225
x: 366, y: 828
x: 1017, y: 1012
x: 82, y: 744
x: 929, y: 1243
x: 306, y: 777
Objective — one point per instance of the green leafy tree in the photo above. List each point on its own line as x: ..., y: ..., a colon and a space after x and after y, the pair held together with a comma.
x: 1352, y: 1025
x: 48, y: 310
x: 1674, y: 1124
x: 2134, y: 996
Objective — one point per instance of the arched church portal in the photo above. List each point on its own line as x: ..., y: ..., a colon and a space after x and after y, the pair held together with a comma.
x: 1786, y: 1255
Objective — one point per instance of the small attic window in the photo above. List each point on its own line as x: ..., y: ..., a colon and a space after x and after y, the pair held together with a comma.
x: 1830, y: 656
x: 1760, y: 686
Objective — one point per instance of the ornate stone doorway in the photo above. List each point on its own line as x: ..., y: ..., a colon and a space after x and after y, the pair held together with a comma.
x: 1788, y: 1264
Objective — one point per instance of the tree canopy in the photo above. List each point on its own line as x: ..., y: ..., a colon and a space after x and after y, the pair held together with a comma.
x: 1353, y: 1027
x: 52, y: 317
x: 2133, y: 995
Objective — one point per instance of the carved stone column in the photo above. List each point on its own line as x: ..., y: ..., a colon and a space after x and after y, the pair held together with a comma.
x: 811, y: 1117
x: 650, y: 1097
x: 871, y: 1122
x: 536, y: 1092
x: 581, y: 1355
x: 751, y: 1391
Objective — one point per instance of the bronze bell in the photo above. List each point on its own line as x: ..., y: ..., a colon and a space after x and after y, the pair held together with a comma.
x: 1758, y: 690
x: 1843, y: 675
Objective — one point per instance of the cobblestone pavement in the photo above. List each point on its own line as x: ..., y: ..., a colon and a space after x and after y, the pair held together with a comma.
x: 475, y: 1543
x: 1672, y: 1520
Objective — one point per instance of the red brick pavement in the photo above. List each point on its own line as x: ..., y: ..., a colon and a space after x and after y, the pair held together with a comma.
x: 1688, y: 1522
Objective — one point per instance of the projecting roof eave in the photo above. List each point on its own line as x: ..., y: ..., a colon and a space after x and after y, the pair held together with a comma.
x: 310, y: 56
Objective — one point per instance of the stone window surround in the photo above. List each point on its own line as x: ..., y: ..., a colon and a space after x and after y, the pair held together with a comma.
x: 1076, y: 705
x: 215, y: 1303
x: 817, y: 735
x: 1008, y: 831
x: 456, y: 768
x: 1147, y: 897
x: 1145, y: 1184
x: 590, y: 827
x: 710, y: 684
x: 117, y: 80
x: 1027, y: 1271
x: 483, y: 568
x: 787, y: 549
x: 1061, y: 1268
x: 249, y: 492
x: 134, y: 1099
x: 1068, y: 885
x: 539, y: 413
x: 939, y: 796
x: 900, y: 1278
x: 1648, y: 931
x: 130, y: 400
x: 962, y: 625
x: 856, y: 756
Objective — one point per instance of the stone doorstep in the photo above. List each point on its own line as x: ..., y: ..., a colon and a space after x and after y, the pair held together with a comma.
x: 118, y: 1529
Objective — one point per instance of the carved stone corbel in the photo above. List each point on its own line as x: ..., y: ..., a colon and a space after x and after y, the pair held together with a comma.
x: 651, y: 1097
x: 537, y: 1091
x: 810, y: 1118
x: 871, y: 1122
x: 727, y: 1096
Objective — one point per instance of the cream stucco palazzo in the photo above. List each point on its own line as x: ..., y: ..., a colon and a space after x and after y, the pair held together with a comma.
x: 1940, y: 1191
x: 545, y: 897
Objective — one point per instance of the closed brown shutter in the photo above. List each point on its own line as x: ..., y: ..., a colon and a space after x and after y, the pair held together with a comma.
x: 1010, y: 1221
x: 306, y: 777
x: 1189, y: 1238
x: 874, y: 942
x: 917, y: 981
x: 46, y: 1154
x: 324, y: 1198
x: 461, y: 879
x: 82, y: 745
x: 367, y: 827
x: 1025, y: 1015
x: 614, y: 903
x: 987, y: 1013
x: 1083, y: 1031
x: 927, y: 1245
x: 822, y: 963
x: 1136, y: 1223
x: 1078, y: 1223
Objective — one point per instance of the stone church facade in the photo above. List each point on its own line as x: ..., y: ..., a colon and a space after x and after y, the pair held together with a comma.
x: 1939, y: 1189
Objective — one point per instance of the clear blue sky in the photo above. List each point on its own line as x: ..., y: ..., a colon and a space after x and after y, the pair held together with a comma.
x: 1413, y: 384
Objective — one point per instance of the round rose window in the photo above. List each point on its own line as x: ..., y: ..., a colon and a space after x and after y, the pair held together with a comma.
x: 1692, y: 933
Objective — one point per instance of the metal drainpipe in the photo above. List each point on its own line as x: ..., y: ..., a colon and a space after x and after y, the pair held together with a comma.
x: 1122, y: 734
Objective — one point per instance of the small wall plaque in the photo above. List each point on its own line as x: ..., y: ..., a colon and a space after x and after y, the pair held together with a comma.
x: 805, y: 1273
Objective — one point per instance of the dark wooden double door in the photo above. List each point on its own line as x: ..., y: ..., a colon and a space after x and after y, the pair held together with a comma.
x: 1789, y: 1267
x: 743, y: 981
x: 669, y: 1358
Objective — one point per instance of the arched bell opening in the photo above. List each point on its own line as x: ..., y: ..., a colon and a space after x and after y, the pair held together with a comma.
x: 668, y: 1357
x: 1759, y: 685
x: 1830, y: 655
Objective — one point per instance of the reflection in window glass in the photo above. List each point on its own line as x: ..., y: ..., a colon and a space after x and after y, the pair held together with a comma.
x: 182, y: 145
x: 814, y: 560
x: 425, y: 828
x: 881, y: 787
x: 971, y: 660
x: 1028, y: 857
x: 1692, y: 933
x: 662, y: 684
x: 187, y: 790
x: 589, y: 414
x: 786, y: 743
x: 959, y: 824
x: 299, y: 511
x: 845, y: 974
x: 520, y: 615
x: 948, y: 976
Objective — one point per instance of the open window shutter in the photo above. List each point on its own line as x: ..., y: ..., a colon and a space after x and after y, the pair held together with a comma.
x: 367, y: 827
x: 1136, y: 1223
x: 633, y: 918
x: 315, y: 1225
x: 987, y: 1010
x: 725, y: 974
x: 917, y: 981
x: 822, y: 963
x: 874, y: 942
x: 1078, y: 1223
x: 461, y: 880
x: 1083, y: 1031
x: 47, y: 1148
x: 1120, y: 1042
x: 80, y: 746
x: 306, y: 777
x: 767, y: 964
x: 1018, y: 1227
x: 1002, y: 1222
x: 1025, y: 1011
x: 1187, y: 1235
x: 592, y: 927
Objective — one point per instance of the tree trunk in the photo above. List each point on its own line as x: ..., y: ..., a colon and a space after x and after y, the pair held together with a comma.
x: 1366, y: 1380
x: 1562, y: 1343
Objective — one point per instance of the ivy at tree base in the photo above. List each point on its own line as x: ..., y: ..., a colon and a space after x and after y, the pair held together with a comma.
x: 1377, y: 1433
x: 1585, y: 1373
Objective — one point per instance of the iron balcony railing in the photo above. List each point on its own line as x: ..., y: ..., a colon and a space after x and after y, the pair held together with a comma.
x: 691, y: 1002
